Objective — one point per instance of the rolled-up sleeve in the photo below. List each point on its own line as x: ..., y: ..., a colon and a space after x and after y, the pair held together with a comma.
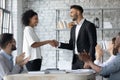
x: 111, y: 68
x: 29, y: 35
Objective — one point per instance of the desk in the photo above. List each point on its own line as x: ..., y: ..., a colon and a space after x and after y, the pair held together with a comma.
x: 66, y: 76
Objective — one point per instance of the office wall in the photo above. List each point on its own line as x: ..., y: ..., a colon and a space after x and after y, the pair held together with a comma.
x: 46, y: 10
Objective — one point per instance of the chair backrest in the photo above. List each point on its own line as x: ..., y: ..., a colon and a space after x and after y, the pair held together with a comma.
x: 34, y: 65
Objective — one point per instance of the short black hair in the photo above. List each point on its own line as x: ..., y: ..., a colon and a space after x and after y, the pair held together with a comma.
x: 77, y: 7
x: 113, y: 40
x: 5, y: 38
x: 26, y: 16
x: 118, y: 33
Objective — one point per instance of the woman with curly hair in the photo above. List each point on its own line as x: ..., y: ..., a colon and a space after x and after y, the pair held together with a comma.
x: 31, y: 42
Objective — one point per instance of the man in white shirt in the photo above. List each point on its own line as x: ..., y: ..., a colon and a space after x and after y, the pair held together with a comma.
x: 8, y: 44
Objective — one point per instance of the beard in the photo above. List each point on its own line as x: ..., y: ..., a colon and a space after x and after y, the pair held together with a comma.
x: 13, y: 47
x: 115, y: 49
x: 75, y: 17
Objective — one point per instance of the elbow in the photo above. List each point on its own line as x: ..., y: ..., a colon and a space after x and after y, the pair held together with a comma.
x: 34, y: 45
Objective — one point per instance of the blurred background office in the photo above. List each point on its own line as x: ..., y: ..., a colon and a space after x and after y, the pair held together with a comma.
x: 104, y: 13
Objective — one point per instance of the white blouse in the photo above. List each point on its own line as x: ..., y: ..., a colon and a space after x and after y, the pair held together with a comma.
x: 29, y: 38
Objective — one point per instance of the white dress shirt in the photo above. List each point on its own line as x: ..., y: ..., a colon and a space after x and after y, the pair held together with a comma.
x: 78, y: 26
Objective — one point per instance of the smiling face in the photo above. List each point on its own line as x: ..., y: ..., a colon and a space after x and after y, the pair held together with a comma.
x: 34, y: 21
x: 74, y: 14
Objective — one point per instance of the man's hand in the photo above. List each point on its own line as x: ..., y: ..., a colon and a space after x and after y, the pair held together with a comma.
x: 86, y: 65
x: 84, y: 56
x: 24, y: 61
x: 51, y: 42
x: 21, y: 61
x: 54, y: 43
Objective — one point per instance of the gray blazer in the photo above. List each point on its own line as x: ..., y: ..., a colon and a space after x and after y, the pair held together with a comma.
x: 5, y: 67
x: 112, y: 69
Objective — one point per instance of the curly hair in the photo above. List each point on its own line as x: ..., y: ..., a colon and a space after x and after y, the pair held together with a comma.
x: 26, y: 16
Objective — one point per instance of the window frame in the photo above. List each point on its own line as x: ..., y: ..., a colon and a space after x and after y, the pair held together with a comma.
x: 3, y: 4
x: 1, y: 20
x: 5, y: 21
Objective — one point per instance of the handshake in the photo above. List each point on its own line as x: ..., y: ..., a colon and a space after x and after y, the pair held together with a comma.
x: 54, y: 43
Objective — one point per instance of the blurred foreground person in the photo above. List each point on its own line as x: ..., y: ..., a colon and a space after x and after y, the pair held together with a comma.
x: 8, y: 44
x: 112, y: 69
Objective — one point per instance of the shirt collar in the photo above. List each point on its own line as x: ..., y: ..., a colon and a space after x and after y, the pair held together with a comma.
x: 118, y: 53
x: 7, y: 56
x: 81, y: 21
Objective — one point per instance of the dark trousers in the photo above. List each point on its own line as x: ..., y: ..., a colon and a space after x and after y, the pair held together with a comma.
x: 77, y: 64
x: 34, y: 65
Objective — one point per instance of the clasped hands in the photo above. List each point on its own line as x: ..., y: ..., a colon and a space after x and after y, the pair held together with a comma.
x: 21, y: 60
x: 54, y: 43
x: 86, y: 58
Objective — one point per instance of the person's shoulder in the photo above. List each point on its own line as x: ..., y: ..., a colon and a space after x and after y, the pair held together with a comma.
x: 1, y: 58
x: 88, y: 22
x: 116, y: 58
x: 118, y: 55
x: 28, y: 28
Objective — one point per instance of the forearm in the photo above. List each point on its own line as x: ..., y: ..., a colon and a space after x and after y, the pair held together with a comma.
x: 66, y: 46
x: 95, y: 67
x: 16, y: 69
x: 38, y: 44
